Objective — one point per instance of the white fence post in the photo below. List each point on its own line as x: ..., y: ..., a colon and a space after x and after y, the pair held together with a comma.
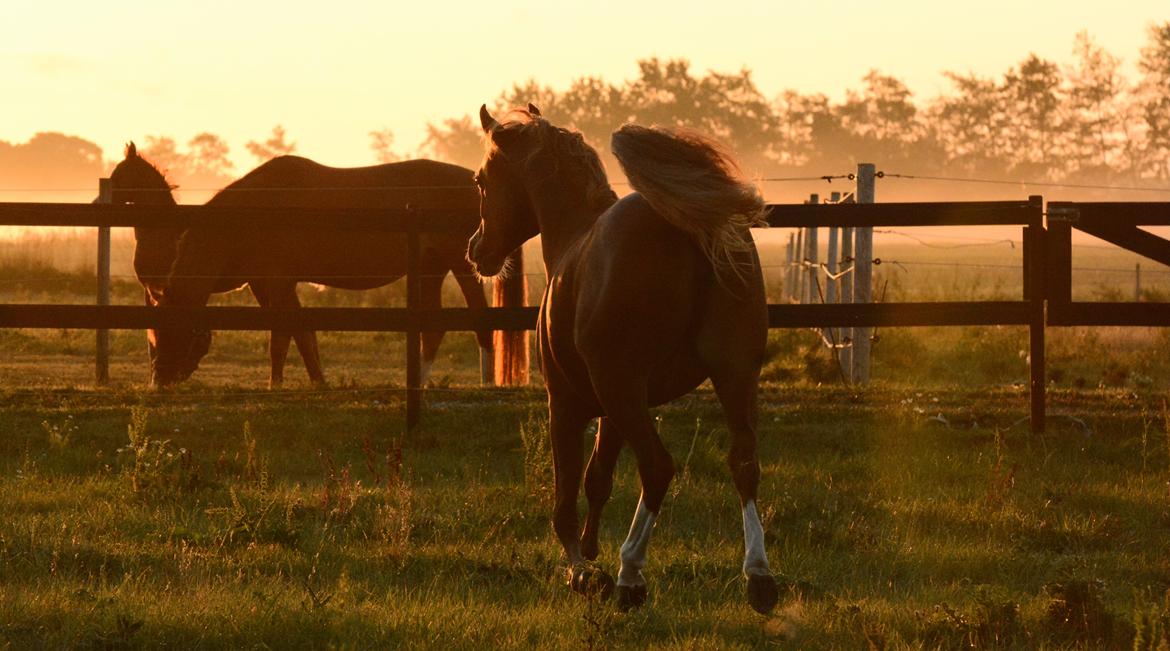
x: 813, y: 256
x: 105, y: 195
x: 863, y: 269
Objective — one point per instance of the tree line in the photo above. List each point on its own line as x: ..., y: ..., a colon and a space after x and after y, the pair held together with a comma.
x: 1082, y: 121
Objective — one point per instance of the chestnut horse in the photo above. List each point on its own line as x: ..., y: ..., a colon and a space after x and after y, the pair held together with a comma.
x: 647, y: 297
x: 185, y: 267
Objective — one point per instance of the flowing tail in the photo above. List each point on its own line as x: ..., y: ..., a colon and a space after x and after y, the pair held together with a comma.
x: 511, y: 290
x: 695, y: 184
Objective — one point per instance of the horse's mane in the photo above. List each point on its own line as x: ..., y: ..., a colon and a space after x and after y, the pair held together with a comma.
x: 556, y: 151
x: 131, y: 152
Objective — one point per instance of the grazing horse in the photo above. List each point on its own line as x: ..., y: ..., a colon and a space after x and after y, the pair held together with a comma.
x: 184, y: 267
x: 647, y: 297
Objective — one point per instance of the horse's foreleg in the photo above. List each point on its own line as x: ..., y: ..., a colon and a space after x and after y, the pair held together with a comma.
x: 737, y: 394
x: 599, y: 483
x: 285, y: 295
x: 566, y: 424
x: 278, y: 343
x: 151, y: 337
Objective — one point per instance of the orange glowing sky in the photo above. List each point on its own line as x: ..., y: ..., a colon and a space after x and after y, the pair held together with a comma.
x: 332, y: 72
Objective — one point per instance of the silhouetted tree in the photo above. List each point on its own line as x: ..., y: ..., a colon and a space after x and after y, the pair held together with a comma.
x: 459, y: 142
x: 204, y: 167
x: 50, y: 161
x: 969, y: 124
x: 381, y: 142
x: 1095, y: 112
x: 276, y: 145
x: 1154, y: 102
x: 1033, y: 127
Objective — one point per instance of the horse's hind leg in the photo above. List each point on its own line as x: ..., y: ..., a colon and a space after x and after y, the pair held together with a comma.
x: 599, y: 482
x: 566, y: 424
x: 625, y: 403
x: 737, y: 392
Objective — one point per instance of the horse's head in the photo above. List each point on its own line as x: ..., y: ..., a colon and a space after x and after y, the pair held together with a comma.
x: 178, y: 349
x: 179, y: 353
x: 507, y: 218
x: 136, y: 180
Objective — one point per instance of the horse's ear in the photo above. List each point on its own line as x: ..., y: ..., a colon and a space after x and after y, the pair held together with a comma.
x: 533, y: 110
x: 486, y: 120
x: 131, y: 150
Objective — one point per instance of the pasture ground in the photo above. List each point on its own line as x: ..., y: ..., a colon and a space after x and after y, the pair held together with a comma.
x: 895, y: 518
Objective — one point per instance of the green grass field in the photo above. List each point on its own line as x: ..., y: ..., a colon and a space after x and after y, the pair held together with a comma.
x: 917, y: 512
x: 895, y: 519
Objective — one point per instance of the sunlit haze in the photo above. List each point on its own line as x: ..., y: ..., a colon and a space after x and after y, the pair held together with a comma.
x: 332, y: 72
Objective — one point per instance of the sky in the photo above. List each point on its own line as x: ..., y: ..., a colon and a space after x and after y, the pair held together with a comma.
x: 331, y: 72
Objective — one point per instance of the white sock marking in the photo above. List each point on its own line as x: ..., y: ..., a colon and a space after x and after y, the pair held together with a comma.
x: 755, y: 559
x: 634, y: 548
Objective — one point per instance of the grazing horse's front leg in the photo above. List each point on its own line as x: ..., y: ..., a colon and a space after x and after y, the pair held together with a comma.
x: 284, y: 294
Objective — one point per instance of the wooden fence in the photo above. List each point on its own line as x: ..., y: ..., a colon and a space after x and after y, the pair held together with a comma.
x: 413, y: 320
x: 1046, y: 272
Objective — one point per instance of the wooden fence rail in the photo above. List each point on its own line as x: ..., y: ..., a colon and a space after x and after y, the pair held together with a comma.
x: 413, y: 320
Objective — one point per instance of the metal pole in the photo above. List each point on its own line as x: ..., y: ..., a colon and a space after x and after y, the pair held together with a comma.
x: 105, y: 195
x: 798, y: 267
x: 787, y: 289
x: 847, y: 297
x: 863, y: 269
x: 811, y: 255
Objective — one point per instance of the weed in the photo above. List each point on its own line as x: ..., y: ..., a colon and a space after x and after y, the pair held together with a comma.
x: 156, y: 469
x: 537, y: 457
x: 1151, y: 623
x: 60, y: 432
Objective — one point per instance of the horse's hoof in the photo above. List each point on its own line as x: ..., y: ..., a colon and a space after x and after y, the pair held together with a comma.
x: 630, y: 597
x: 591, y: 583
x: 762, y: 593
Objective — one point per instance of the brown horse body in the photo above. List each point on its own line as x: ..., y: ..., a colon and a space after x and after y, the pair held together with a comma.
x: 185, y: 268
x: 639, y: 309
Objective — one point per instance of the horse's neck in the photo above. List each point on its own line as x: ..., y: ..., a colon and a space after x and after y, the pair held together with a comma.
x: 564, y: 224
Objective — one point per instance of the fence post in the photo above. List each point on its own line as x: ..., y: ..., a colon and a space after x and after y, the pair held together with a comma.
x: 1034, y: 246
x: 863, y: 269
x: 1137, y: 281
x: 786, y: 288
x: 798, y: 268
x: 846, y: 296
x: 102, y: 356
x: 413, y: 332
x: 812, y: 255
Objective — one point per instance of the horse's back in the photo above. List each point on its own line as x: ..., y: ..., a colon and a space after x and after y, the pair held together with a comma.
x: 294, y: 181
